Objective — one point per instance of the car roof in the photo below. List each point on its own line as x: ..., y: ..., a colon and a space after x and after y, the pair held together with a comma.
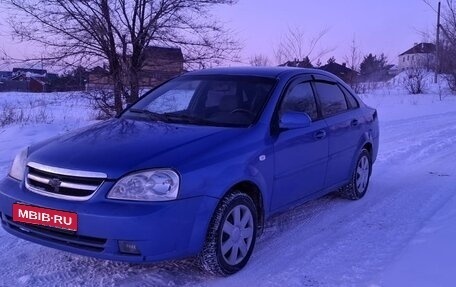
x: 271, y: 72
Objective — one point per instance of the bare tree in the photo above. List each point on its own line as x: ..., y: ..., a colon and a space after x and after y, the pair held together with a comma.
x: 295, y: 45
x: 447, y: 53
x: 259, y: 60
x: 447, y: 43
x: 354, y: 56
x: 353, y: 61
x: 116, y: 32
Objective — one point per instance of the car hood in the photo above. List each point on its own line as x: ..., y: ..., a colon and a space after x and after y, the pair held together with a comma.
x: 120, y: 146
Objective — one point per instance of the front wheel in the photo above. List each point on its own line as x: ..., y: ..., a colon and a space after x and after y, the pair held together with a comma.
x: 359, y: 182
x: 231, y: 236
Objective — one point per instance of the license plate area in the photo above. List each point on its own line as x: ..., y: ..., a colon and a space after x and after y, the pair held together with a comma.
x: 35, y: 215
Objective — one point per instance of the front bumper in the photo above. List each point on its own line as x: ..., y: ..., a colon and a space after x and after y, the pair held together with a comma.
x: 160, y: 230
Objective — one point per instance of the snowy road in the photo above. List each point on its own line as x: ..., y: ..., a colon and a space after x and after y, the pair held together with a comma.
x: 326, y: 242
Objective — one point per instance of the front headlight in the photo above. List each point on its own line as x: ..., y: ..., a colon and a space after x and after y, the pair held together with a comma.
x: 18, y: 168
x: 151, y: 185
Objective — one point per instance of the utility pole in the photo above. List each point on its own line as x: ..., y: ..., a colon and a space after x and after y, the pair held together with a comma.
x: 437, y: 46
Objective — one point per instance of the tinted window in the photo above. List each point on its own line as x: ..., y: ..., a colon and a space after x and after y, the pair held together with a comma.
x: 352, y: 102
x: 331, y: 98
x: 300, y: 98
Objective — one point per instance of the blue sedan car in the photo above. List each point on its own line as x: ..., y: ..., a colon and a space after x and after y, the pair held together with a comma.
x: 194, y: 168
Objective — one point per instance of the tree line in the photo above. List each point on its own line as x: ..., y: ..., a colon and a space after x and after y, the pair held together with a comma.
x: 115, y: 34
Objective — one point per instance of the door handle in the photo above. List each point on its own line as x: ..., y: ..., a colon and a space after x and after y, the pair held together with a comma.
x: 354, y: 123
x: 321, y: 134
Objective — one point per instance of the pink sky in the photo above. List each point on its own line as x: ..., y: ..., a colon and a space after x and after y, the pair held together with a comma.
x: 388, y: 26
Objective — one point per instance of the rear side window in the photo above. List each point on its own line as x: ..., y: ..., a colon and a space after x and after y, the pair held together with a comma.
x: 352, y: 102
x: 331, y: 98
x: 300, y: 98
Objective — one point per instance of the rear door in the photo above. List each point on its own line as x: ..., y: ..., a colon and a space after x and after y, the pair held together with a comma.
x: 342, y: 115
x: 300, y: 155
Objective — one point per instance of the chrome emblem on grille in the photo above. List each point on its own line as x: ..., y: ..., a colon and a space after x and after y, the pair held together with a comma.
x: 55, y: 183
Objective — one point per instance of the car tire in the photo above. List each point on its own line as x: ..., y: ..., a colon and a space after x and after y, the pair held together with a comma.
x: 231, y: 235
x: 359, y: 181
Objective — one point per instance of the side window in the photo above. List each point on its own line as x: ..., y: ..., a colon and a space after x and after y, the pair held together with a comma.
x: 300, y: 98
x: 331, y: 98
x: 352, y: 102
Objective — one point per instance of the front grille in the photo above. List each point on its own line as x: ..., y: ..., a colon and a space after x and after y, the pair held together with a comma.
x: 60, y: 236
x: 62, y: 183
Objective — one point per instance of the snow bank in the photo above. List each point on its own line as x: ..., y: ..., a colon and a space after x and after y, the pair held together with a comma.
x: 37, y: 116
x: 400, y: 234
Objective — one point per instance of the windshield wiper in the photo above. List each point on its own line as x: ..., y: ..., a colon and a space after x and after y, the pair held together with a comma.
x: 188, y: 119
x: 172, y: 117
x: 150, y: 115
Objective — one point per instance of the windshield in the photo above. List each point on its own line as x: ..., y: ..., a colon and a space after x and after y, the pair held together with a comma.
x: 206, y: 100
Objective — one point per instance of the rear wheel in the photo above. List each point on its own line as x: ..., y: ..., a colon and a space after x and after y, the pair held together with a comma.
x: 231, y: 236
x: 359, y: 182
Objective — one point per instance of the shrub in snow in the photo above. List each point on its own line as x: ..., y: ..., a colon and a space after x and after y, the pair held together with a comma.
x: 451, y: 79
x: 10, y: 114
x: 415, y: 81
x: 102, y: 101
x: 23, y: 109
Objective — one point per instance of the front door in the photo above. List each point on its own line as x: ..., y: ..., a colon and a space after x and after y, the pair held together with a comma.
x: 300, y: 154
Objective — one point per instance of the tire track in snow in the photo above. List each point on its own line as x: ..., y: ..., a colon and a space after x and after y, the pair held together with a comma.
x: 353, y: 240
x: 417, y: 138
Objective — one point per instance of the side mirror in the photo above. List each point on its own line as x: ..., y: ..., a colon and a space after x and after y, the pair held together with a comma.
x: 294, y: 120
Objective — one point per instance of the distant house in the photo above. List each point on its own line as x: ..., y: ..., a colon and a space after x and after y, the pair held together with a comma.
x: 305, y: 63
x: 29, y: 73
x: 98, y: 79
x: 421, y: 55
x: 5, y: 76
x: 25, y: 80
x: 29, y: 80
x: 160, y: 64
x: 340, y: 70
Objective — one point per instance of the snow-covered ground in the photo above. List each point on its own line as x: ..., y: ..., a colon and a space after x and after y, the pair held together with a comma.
x: 401, y: 234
